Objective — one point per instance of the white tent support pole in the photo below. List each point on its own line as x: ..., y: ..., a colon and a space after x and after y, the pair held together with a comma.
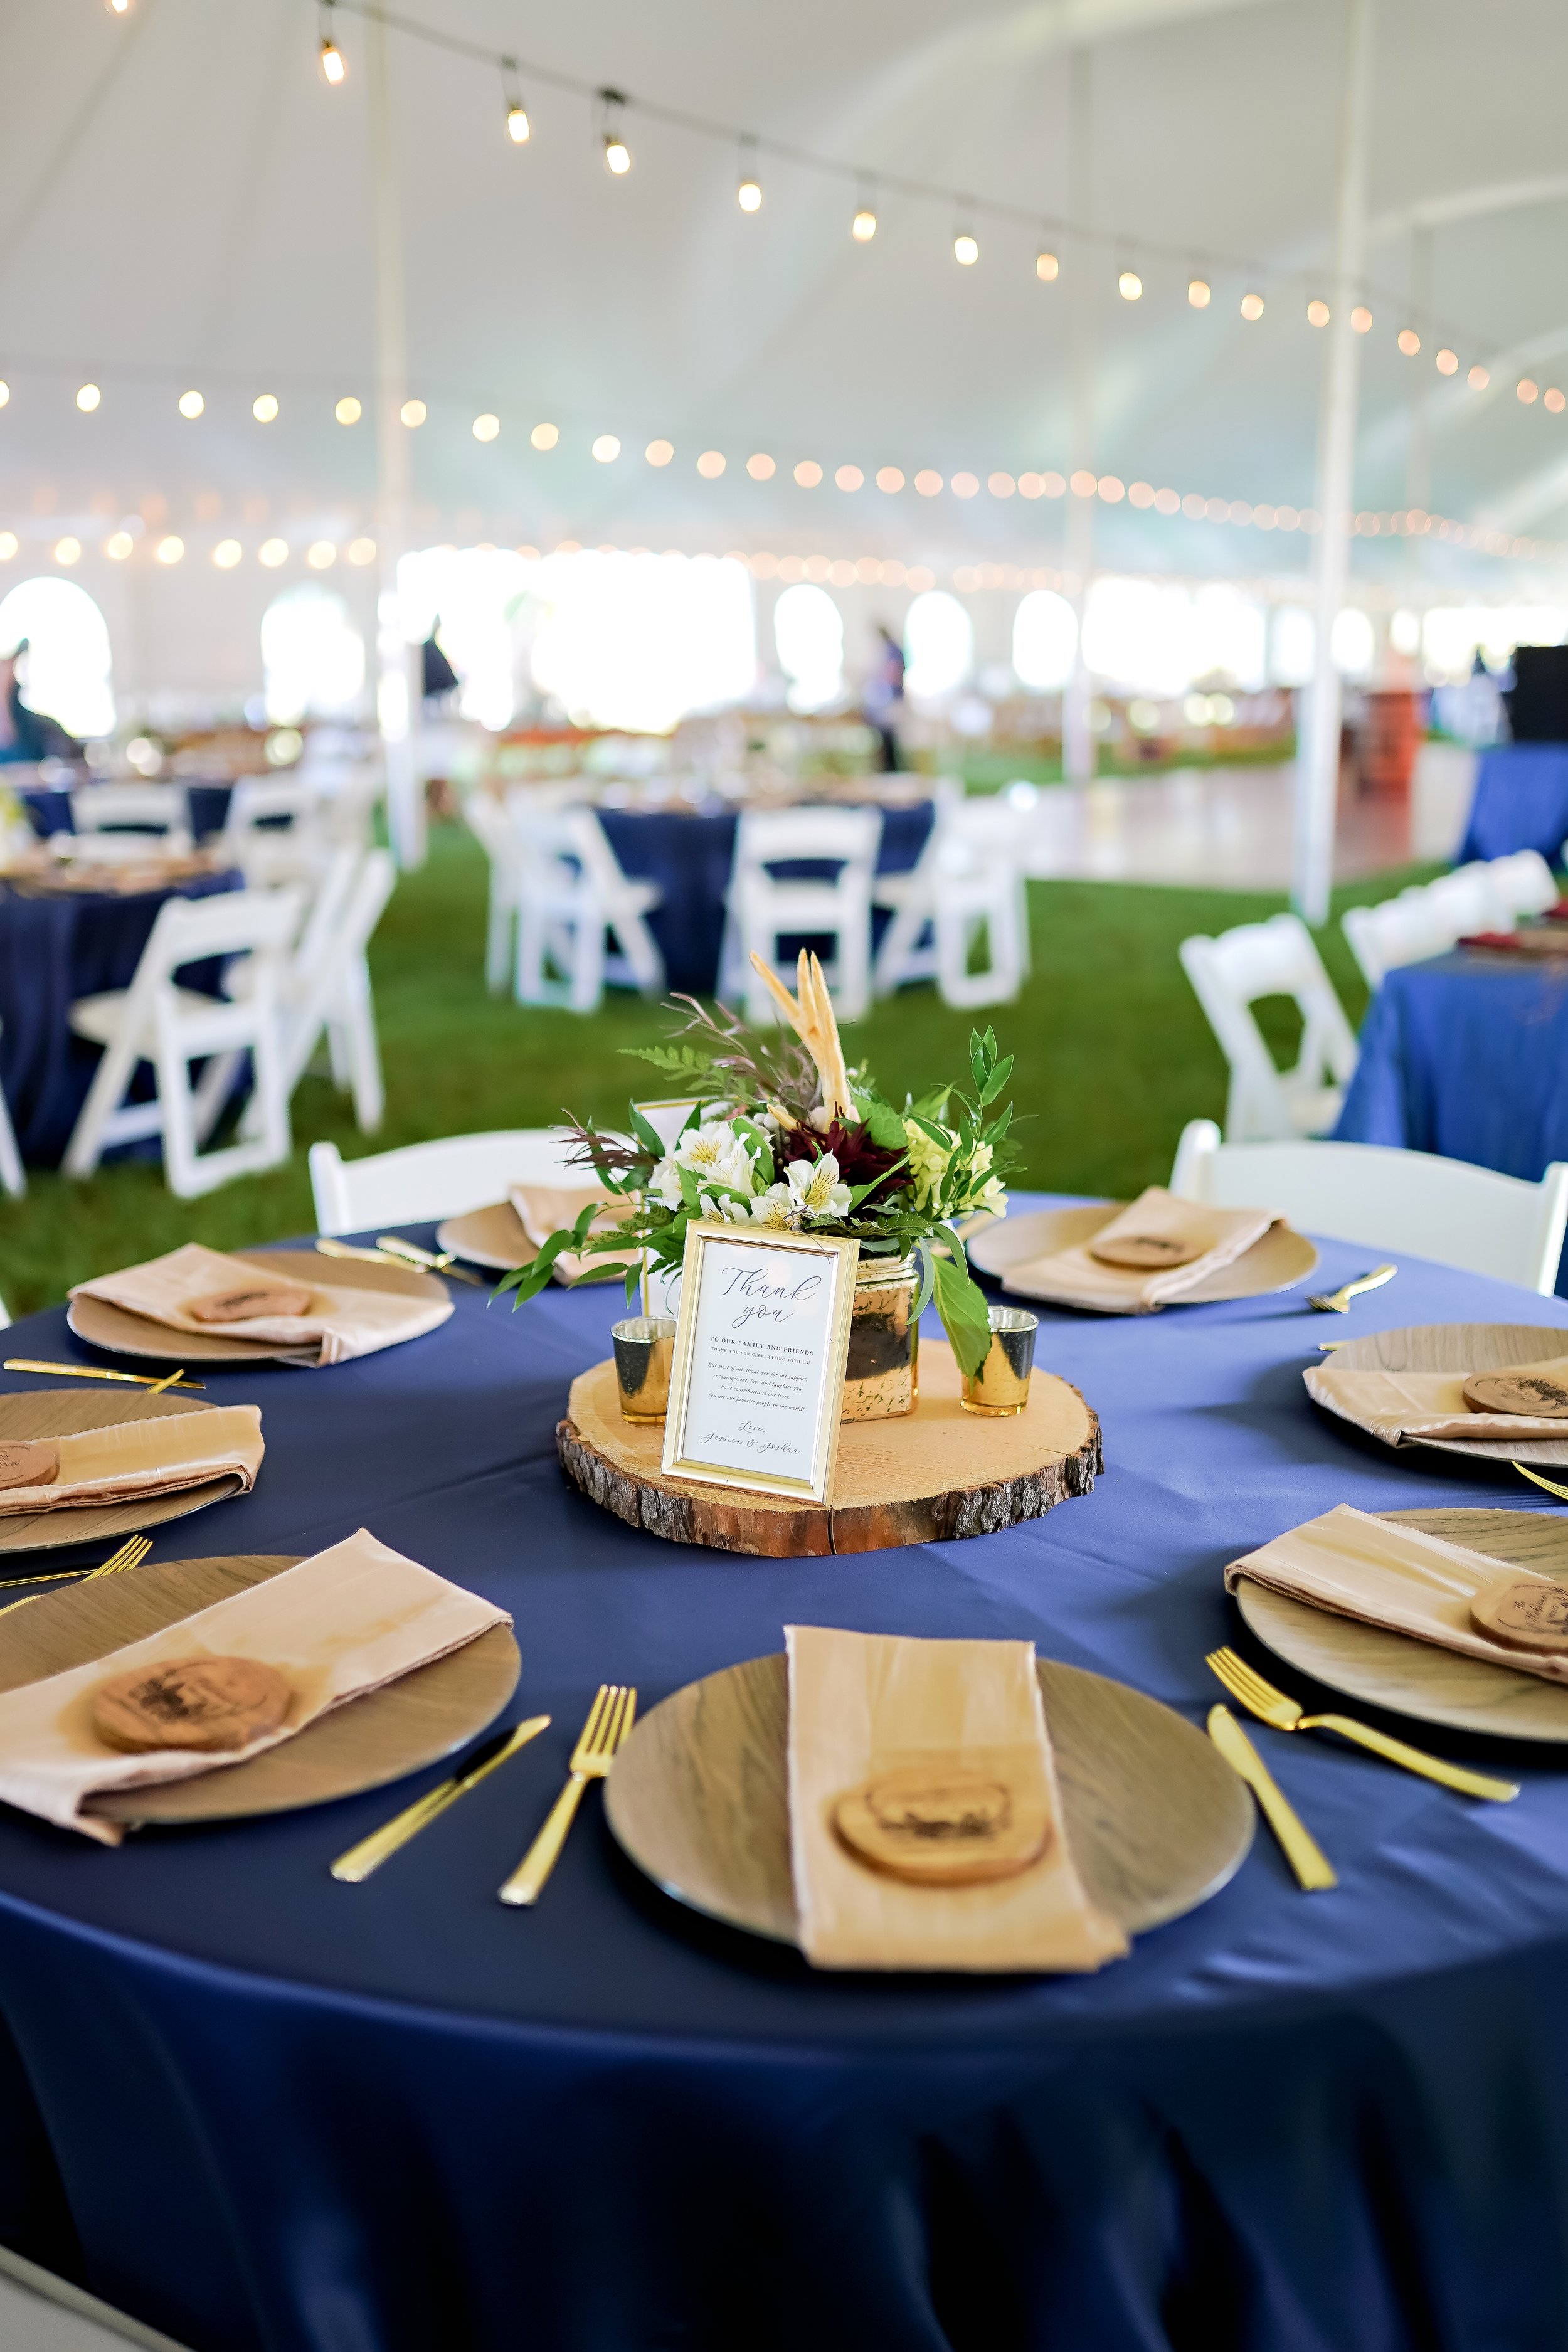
x: 1318, y: 760
x: 397, y: 693
x: 1418, y: 457
x: 1077, y: 734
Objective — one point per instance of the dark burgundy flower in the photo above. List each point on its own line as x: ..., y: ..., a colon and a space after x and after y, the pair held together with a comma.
x: 861, y: 1162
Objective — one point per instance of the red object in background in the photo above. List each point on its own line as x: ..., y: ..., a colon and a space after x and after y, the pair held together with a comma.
x: 1388, y: 740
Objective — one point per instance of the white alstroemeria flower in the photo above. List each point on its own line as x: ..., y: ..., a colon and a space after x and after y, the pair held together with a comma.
x: 734, y: 1211
x: 992, y: 1196
x: 666, y: 1181
x: 776, y: 1207
x: 816, y: 1188
x: 717, y: 1152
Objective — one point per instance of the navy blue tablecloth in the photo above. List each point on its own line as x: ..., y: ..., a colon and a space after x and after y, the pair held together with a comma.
x: 689, y: 857
x: 267, y: 2113
x: 1466, y: 1056
x: 50, y: 812
x: 1520, y: 802
x: 54, y: 949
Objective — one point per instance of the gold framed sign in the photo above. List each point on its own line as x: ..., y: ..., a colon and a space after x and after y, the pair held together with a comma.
x: 757, y: 1385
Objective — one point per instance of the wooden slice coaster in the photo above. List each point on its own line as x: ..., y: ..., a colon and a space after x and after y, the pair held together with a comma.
x: 415, y: 1721
x: 934, y: 1474
x: 1540, y: 1390
x: 941, y: 1824
x: 30, y: 1417
x: 1146, y: 1252
x: 1524, y: 1610
x: 209, y: 1704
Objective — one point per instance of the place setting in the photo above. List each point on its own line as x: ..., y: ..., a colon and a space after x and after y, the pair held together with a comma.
x: 211, y: 1307
x: 1492, y: 1392
x: 1158, y: 1251
x: 86, y: 1465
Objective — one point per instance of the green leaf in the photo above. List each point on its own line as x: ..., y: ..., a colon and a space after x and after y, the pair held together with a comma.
x: 634, y: 1285
x: 996, y: 1081
x: 884, y: 1125
x: 675, y: 1061
x: 939, y: 1135
x: 962, y: 1306
x: 646, y: 1135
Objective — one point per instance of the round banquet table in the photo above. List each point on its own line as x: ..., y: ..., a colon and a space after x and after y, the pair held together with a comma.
x: 1520, y: 802
x: 55, y: 946
x: 689, y: 853
x: 49, y: 811
x: 1466, y: 1056
x: 269, y: 2112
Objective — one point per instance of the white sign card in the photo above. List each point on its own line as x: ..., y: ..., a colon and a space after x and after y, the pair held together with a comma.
x: 757, y: 1384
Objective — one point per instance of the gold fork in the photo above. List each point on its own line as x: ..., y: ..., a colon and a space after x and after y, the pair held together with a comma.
x: 130, y: 1554
x: 1337, y: 1302
x: 1261, y: 1698
x: 610, y: 1719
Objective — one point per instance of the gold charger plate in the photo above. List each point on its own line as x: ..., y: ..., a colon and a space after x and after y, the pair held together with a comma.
x: 1417, y: 1678
x: 121, y: 1333
x: 1462, y: 1348
x: 698, y: 1799
x: 415, y: 1721
x: 64, y: 1413
x: 1278, y: 1262
x: 490, y: 1237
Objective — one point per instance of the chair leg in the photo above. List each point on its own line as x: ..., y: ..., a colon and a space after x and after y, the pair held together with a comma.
x: 498, y: 938
x: 181, y: 1170
x: 11, y: 1175
x: 587, y: 959
x: 116, y: 1066
x: 355, y: 1027
x: 854, y: 961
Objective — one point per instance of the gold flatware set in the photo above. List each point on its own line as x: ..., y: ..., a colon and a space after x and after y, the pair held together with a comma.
x: 609, y: 1723
x: 360, y: 1859
x: 1305, y: 1855
x: 1337, y: 1302
x: 150, y: 1381
x: 392, y: 1250
x: 130, y: 1554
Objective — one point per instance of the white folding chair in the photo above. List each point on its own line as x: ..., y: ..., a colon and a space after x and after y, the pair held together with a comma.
x: 1525, y: 882
x: 133, y: 809
x: 570, y: 893
x: 968, y: 885
x: 1407, y: 929
x: 421, y: 1181
x: 496, y: 835
x: 328, y: 988
x: 1388, y: 1200
x: 1230, y: 974
x: 763, y: 908
x: 273, y: 832
x: 156, y: 1020
x: 1468, y: 899
x: 40, y: 2313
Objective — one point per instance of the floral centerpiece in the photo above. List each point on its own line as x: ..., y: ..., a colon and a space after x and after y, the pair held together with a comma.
x: 790, y: 1137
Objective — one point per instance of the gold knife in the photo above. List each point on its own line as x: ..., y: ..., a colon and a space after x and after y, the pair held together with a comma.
x: 1301, y: 1850
x: 330, y: 1248
x: 93, y: 1372
x: 370, y: 1853
x: 426, y: 1260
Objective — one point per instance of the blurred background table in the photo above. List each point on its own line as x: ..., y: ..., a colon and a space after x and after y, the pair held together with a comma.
x: 689, y: 855
x: 1520, y: 802
x: 55, y: 946
x: 1466, y: 1056
x: 48, y: 808
x: 237, y: 2097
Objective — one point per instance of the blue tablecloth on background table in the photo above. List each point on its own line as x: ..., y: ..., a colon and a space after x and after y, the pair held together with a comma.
x: 50, y: 812
x: 53, y: 948
x: 1466, y: 1056
x: 269, y: 2112
x: 1520, y: 802
x: 689, y: 857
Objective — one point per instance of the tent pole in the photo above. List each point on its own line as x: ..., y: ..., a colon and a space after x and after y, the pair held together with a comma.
x: 397, y: 690
x: 1078, y: 735
x: 1318, y: 757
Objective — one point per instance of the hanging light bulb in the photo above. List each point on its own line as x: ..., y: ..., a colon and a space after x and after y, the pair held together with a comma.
x: 518, y: 128
x: 334, y: 65
x: 617, y: 154
x: 863, y: 228
x: 1130, y: 286
x: 1200, y: 293
x: 118, y: 7
x: 1047, y: 267
x: 965, y: 244
x: 749, y: 189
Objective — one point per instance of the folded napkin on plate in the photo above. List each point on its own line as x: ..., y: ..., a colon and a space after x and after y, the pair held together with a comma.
x: 1217, y: 1236
x: 133, y: 1459
x: 1386, y: 1575
x: 862, y: 1705
x: 342, y: 1320
x: 544, y: 1209
x: 1404, y: 1407
x: 337, y: 1625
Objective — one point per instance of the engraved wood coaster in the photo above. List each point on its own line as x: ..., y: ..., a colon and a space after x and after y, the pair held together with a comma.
x: 941, y: 1823
x: 208, y: 1704
x: 34, y: 1464
x: 1464, y: 1349
x: 1146, y: 1252
x: 249, y: 1301
x: 415, y: 1721
x: 30, y: 1416
x: 928, y: 1475
x: 1538, y: 1389
x: 1419, y: 1679
x: 121, y: 1333
x: 1524, y: 1611
x: 1155, y: 1820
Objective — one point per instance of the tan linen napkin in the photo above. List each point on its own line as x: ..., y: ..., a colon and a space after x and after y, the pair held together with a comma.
x: 146, y: 1457
x: 543, y: 1209
x: 343, y: 1321
x: 860, y: 1703
x: 1356, y: 1565
x: 1402, y: 1407
x: 1080, y: 1280
x: 344, y: 1623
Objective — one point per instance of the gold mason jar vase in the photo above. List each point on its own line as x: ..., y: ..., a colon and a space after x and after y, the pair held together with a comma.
x: 881, y: 1376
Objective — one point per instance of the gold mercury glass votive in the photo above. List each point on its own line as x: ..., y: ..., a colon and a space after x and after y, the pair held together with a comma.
x: 644, y: 1345
x: 1002, y: 1383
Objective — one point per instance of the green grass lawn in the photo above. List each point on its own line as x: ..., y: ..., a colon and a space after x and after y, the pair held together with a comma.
x: 1112, y: 1053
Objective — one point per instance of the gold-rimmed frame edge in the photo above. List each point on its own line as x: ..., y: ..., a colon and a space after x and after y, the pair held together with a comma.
x: 678, y: 1462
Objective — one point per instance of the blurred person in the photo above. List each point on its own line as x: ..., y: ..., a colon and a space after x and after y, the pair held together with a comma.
x: 23, y: 734
x: 438, y: 677
x: 883, y: 700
